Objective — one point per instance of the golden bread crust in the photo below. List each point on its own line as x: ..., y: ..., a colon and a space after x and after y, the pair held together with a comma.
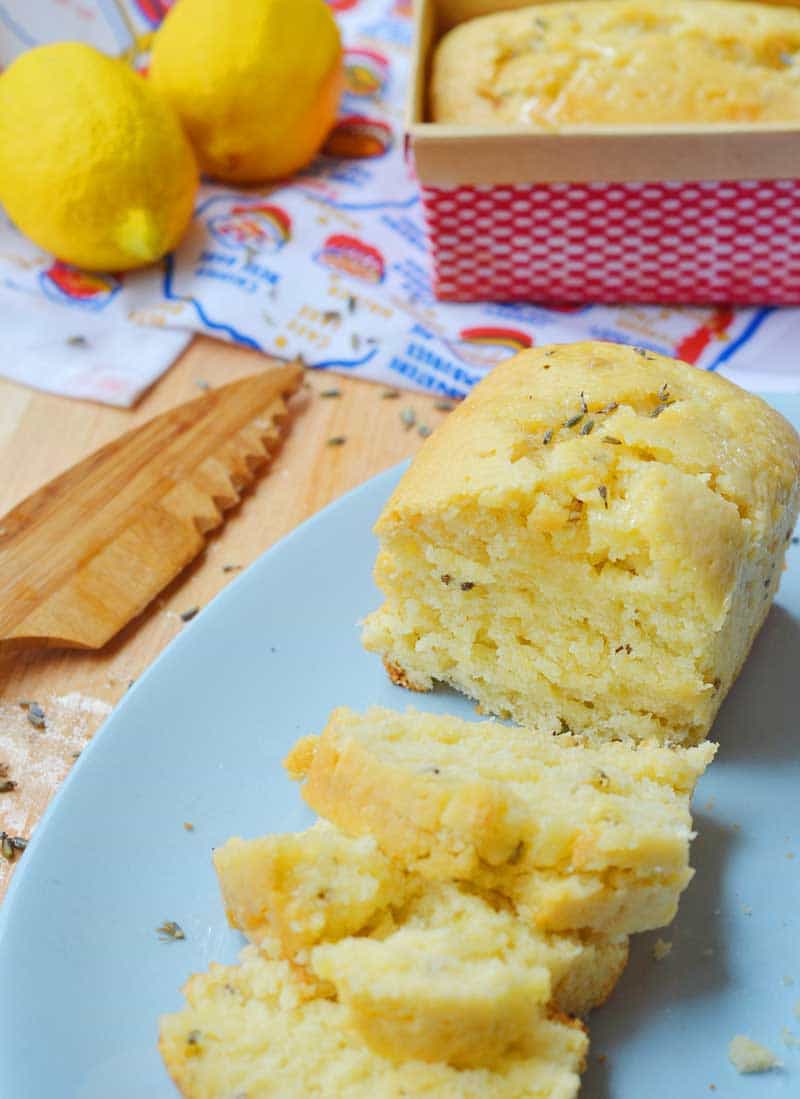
x: 401, y: 678
x: 637, y: 62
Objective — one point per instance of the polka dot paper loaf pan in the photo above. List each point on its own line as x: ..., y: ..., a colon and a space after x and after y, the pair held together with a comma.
x: 555, y: 167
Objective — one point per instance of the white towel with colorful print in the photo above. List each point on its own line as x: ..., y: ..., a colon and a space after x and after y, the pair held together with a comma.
x: 330, y: 266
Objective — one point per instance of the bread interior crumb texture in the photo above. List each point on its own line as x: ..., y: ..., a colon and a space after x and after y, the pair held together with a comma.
x: 592, y: 539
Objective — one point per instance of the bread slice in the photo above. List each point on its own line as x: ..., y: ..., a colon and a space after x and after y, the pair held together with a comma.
x: 592, y: 539
x: 308, y: 887
x: 430, y: 970
x: 252, y: 1030
x: 461, y: 981
x: 576, y: 836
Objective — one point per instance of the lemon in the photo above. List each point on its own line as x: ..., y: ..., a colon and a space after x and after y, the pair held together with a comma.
x: 94, y: 165
x: 256, y: 83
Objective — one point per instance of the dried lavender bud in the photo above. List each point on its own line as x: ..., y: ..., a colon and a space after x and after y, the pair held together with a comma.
x: 169, y: 931
x: 36, y: 714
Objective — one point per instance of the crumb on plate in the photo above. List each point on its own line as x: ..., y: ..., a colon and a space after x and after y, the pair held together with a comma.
x: 748, y: 1056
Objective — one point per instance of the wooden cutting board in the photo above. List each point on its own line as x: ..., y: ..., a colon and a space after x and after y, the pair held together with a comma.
x: 87, y: 552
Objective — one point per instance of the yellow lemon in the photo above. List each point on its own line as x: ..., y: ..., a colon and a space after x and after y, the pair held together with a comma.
x: 94, y: 165
x: 256, y: 83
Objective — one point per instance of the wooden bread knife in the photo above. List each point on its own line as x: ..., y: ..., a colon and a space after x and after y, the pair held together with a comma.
x: 87, y: 552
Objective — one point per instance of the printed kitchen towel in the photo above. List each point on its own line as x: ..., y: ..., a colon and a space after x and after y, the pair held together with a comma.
x: 330, y: 266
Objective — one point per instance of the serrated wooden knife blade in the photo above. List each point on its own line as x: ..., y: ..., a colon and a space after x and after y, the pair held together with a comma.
x: 87, y: 552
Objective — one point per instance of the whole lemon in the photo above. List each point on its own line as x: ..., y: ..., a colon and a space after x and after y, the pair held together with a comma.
x: 94, y: 165
x: 256, y: 83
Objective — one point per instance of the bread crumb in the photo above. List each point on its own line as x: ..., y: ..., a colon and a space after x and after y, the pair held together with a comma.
x: 748, y: 1056
x: 791, y: 1041
x: 797, y: 1010
x: 787, y: 981
x: 661, y: 948
x: 747, y: 910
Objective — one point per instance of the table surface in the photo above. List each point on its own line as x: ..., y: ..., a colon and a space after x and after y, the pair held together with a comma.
x: 41, y: 435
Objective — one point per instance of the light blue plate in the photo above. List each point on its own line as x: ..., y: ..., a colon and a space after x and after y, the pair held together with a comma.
x: 200, y: 738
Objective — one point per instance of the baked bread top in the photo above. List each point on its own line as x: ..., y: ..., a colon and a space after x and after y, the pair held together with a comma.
x: 582, y: 413
x: 619, y: 62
